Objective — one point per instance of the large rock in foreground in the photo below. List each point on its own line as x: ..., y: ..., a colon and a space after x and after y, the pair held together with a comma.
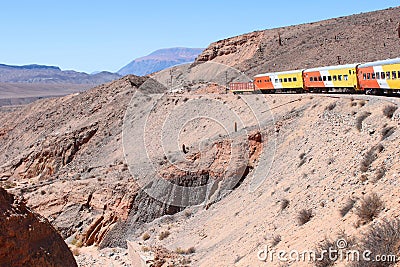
x: 26, y: 239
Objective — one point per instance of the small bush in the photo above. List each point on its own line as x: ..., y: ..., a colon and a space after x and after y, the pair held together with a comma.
x: 164, y: 235
x: 347, y: 207
x: 369, y: 208
x: 146, y: 236
x: 387, y: 131
x: 328, y: 245
x: 42, y: 192
x: 284, y: 204
x: 304, y: 216
x: 370, y: 157
x: 276, y: 240
x: 381, y: 239
x: 331, y: 106
x: 389, y: 110
x: 188, y: 251
x: 360, y: 119
x: 145, y: 249
x: 380, y: 173
x: 302, y: 157
x: 76, y: 252
x: 362, y: 103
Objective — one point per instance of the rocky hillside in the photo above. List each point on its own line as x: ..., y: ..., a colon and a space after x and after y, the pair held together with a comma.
x: 160, y: 59
x: 358, y: 38
x: 27, y: 239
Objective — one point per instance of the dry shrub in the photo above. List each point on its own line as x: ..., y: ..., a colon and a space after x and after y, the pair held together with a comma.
x: 347, y: 207
x: 302, y: 157
x: 304, y: 216
x: 380, y: 173
x: 389, y: 110
x: 284, y: 204
x: 188, y: 251
x: 146, y: 236
x: 362, y: 103
x: 327, y: 245
x: 370, y: 157
x: 361, y: 118
x: 381, y: 239
x: 164, y: 235
x: 331, y: 106
x: 387, y: 131
x: 369, y: 208
x: 76, y: 252
x: 276, y: 240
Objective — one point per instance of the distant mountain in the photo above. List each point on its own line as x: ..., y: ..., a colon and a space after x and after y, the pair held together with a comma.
x: 160, y: 59
x: 51, y: 75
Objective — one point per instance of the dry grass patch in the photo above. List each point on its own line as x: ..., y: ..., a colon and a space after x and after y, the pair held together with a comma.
x: 164, y: 235
x: 389, y: 110
x: 369, y: 208
x: 347, y: 207
x: 360, y: 119
x: 387, y: 132
x: 304, y: 216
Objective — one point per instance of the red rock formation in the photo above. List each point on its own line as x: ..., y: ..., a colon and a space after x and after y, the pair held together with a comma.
x: 26, y: 239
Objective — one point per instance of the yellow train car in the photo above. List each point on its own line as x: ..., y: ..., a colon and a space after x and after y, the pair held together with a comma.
x: 279, y: 81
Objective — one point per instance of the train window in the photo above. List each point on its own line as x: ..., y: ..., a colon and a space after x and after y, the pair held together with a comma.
x: 373, y: 76
x: 339, y: 77
x: 364, y: 76
x: 377, y: 75
x: 329, y: 78
x: 394, y: 75
x: 324, y: 78
x: 350, y: 72
x: 280, y: 80
x: 276, y: 80
x: 382, y: 75
x: 388, y: 75
x: 294, y: 79
x: 368, y: 76
x: 290, y: 80
x: 346, y: 77
x: 319, y: 78
x: 311, y: 79
x: 334, y: 77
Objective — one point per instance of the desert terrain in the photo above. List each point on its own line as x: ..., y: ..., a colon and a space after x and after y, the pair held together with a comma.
x: 173, y: 170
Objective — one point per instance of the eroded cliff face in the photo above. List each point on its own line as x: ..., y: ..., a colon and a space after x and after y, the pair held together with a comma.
x: 27, y: 239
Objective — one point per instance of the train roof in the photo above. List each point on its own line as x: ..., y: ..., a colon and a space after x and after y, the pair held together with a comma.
x: 337, y: 67
x: 278, y: 73
x: 381, y: 62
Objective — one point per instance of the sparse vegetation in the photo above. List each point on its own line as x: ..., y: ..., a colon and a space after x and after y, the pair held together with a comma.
x: 362, y: 103
x: 188, y: 251
x: 331, y: 106
x: 164, y: 235
x: 389, y: 110
x: 284, y: 204
x: 304, y: 216
x: 302, y: 159
x: 360, y: 119
x: 145, y: 249
x: 369, y: 208
x: 347, y: 207
x: 381, y: 239
x: 370, y: 157
x: 146, y: 236
x: 387, y: 131
x: 8, y: 184
x: 380, y: 173
x: 276, y: 240
x: 329, y: 245
x: 76, y: 252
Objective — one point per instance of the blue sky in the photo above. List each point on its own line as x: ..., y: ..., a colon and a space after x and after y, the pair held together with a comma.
x: 106, y: 35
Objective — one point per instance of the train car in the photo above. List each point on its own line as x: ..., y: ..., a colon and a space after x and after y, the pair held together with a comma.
x: 341, y: 78
x: 286, y: 81
x: 380, y: 76
x: 241, y: 87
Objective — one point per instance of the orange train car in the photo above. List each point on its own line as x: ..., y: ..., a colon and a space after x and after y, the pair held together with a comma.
x: 380, y: 76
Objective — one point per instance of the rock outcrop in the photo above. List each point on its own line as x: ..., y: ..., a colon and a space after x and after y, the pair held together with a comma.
x: 27, y: 239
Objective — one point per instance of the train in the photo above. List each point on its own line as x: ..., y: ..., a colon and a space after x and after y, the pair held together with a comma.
x: 377, y: 77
